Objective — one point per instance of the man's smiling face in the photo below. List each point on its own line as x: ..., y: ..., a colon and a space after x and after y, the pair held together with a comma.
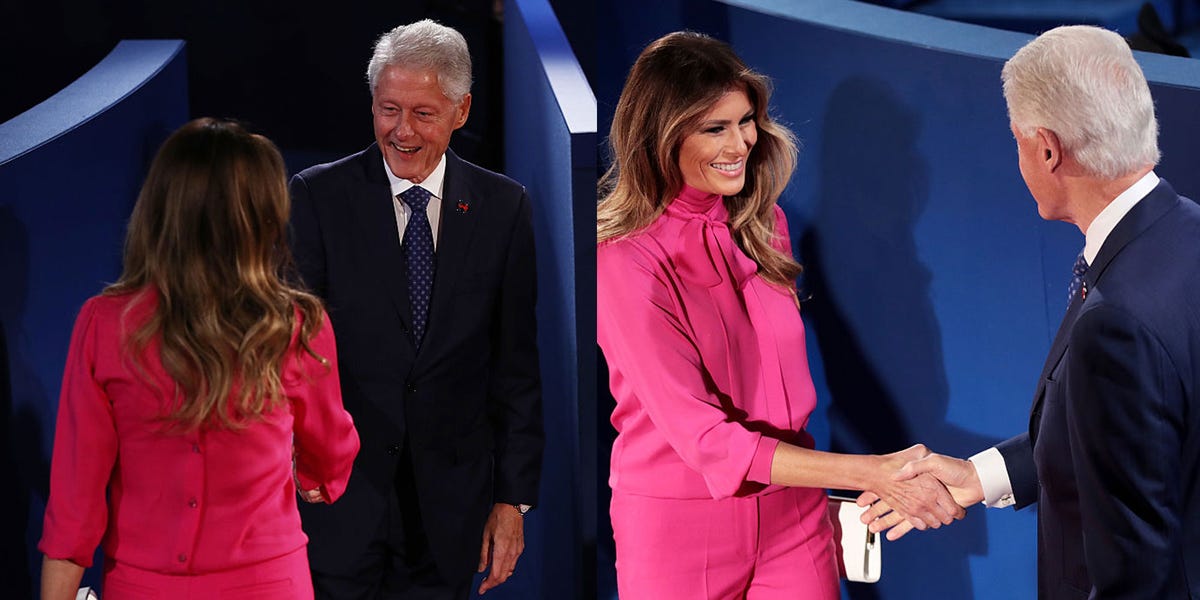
x: 413, y: 120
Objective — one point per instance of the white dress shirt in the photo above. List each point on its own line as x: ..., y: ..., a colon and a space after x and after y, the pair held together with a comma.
x: 432, y: 184
x: 989, y: 464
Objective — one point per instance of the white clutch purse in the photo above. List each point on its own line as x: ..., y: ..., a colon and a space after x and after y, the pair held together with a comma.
x: 860, y: 552
x: 86, y: 593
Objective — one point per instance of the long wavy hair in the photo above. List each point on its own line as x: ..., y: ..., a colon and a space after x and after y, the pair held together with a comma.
x: 675, y: 81
x: 208, y: 236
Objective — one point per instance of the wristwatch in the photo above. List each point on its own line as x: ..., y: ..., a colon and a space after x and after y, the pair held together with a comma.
x: 521, y: 508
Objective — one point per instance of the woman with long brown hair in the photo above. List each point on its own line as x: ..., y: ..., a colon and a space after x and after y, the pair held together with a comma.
x: 199, y: 391
x: 717, y: 490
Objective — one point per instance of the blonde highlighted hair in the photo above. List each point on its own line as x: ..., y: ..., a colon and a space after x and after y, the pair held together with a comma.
x: 674, y: 82
x: 208, y: 236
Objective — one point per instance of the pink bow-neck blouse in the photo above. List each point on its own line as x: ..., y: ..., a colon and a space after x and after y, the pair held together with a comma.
x: 707, y: 359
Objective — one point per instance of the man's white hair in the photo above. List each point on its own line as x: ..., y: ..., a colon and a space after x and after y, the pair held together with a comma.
x: 1082, y: 83
x: 425, y: 45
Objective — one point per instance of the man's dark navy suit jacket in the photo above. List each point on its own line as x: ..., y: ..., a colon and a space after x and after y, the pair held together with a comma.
x: 468, y: 400
x: 1112, y: 456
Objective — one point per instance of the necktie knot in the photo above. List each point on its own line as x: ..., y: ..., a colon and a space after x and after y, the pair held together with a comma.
x: 1081, y: 266
x: 1079, y: 269
x: 416, y: 197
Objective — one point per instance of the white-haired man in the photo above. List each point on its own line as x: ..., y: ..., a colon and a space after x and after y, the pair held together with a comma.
x: 1112, y: 455
x: 426, y: 263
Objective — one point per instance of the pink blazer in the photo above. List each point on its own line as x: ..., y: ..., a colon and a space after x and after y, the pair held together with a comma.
x: 707, y: 359
x: 184, y: 503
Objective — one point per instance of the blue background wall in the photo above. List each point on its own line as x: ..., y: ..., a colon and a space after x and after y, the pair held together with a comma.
x: 294, y: 71
x: 936, y: 288
x: 70, y: 170
x: 550, y: 146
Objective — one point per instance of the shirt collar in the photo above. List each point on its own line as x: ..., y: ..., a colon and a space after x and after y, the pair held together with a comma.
x: 1112, y: 214
x: 432, y: 184
x: 692, y: 201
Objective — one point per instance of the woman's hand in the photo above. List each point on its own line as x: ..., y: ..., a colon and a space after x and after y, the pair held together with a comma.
x: 311, y: 496
x: 920, y: 499
x: 958, y: 476
x: 314, y: 496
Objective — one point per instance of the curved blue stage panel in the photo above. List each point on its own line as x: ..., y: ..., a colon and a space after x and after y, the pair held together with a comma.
x: 936, y: 288
x: 70, y: 170
x: 550, y: 146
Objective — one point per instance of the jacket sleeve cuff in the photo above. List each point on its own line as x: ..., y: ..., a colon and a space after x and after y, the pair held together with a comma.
x: 62, y: 550
x: 760, y: 465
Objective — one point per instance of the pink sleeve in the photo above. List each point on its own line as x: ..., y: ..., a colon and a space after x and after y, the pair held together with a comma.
x: 326, y: 440
x: 760, y: 466
x: 85, y: 450
x: 645, y: 341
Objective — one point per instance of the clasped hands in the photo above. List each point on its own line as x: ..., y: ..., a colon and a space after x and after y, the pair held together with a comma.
x: 919, y: 490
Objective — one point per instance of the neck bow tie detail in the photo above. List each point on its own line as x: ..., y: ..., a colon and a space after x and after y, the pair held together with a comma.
x: 709, y: 256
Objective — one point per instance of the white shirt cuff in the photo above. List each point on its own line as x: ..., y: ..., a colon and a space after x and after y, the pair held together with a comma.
x: 993, y: 476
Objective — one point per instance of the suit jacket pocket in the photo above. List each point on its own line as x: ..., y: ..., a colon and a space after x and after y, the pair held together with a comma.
x: 475, y: 286
x: 456, y: 449
x: 475, y: 445
x: 1055, y: 372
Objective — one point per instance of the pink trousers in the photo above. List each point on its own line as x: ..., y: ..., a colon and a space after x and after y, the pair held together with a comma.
x: 283, y: 578
x: 758, y: 548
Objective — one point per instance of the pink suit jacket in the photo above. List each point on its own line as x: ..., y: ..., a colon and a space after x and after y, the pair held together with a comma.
x: 189, y: 503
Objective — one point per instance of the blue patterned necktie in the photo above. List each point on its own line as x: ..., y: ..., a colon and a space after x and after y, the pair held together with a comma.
x: 1078, y: 270
x: 418, y: 254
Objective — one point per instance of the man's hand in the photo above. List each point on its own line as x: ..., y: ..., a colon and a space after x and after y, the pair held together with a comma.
x: 959, y: 477
x: 921, y: 500
x: 503, y: 542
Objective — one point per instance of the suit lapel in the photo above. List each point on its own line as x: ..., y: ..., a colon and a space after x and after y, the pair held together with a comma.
x: 375, y: 216
x: 1145, y: 213
x: 454, y: 241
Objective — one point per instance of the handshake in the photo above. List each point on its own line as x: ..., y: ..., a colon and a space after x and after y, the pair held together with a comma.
x: 918, y: 489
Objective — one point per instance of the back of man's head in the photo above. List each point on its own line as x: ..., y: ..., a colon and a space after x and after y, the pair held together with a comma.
x: 1082, y: 83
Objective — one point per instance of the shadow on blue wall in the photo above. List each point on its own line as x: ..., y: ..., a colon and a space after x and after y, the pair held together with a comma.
x: 871, y: 313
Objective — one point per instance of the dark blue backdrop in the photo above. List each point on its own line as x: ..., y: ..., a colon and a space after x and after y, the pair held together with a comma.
x: 935, y: 287
x: 70, y: 169
x: 550, y: 146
